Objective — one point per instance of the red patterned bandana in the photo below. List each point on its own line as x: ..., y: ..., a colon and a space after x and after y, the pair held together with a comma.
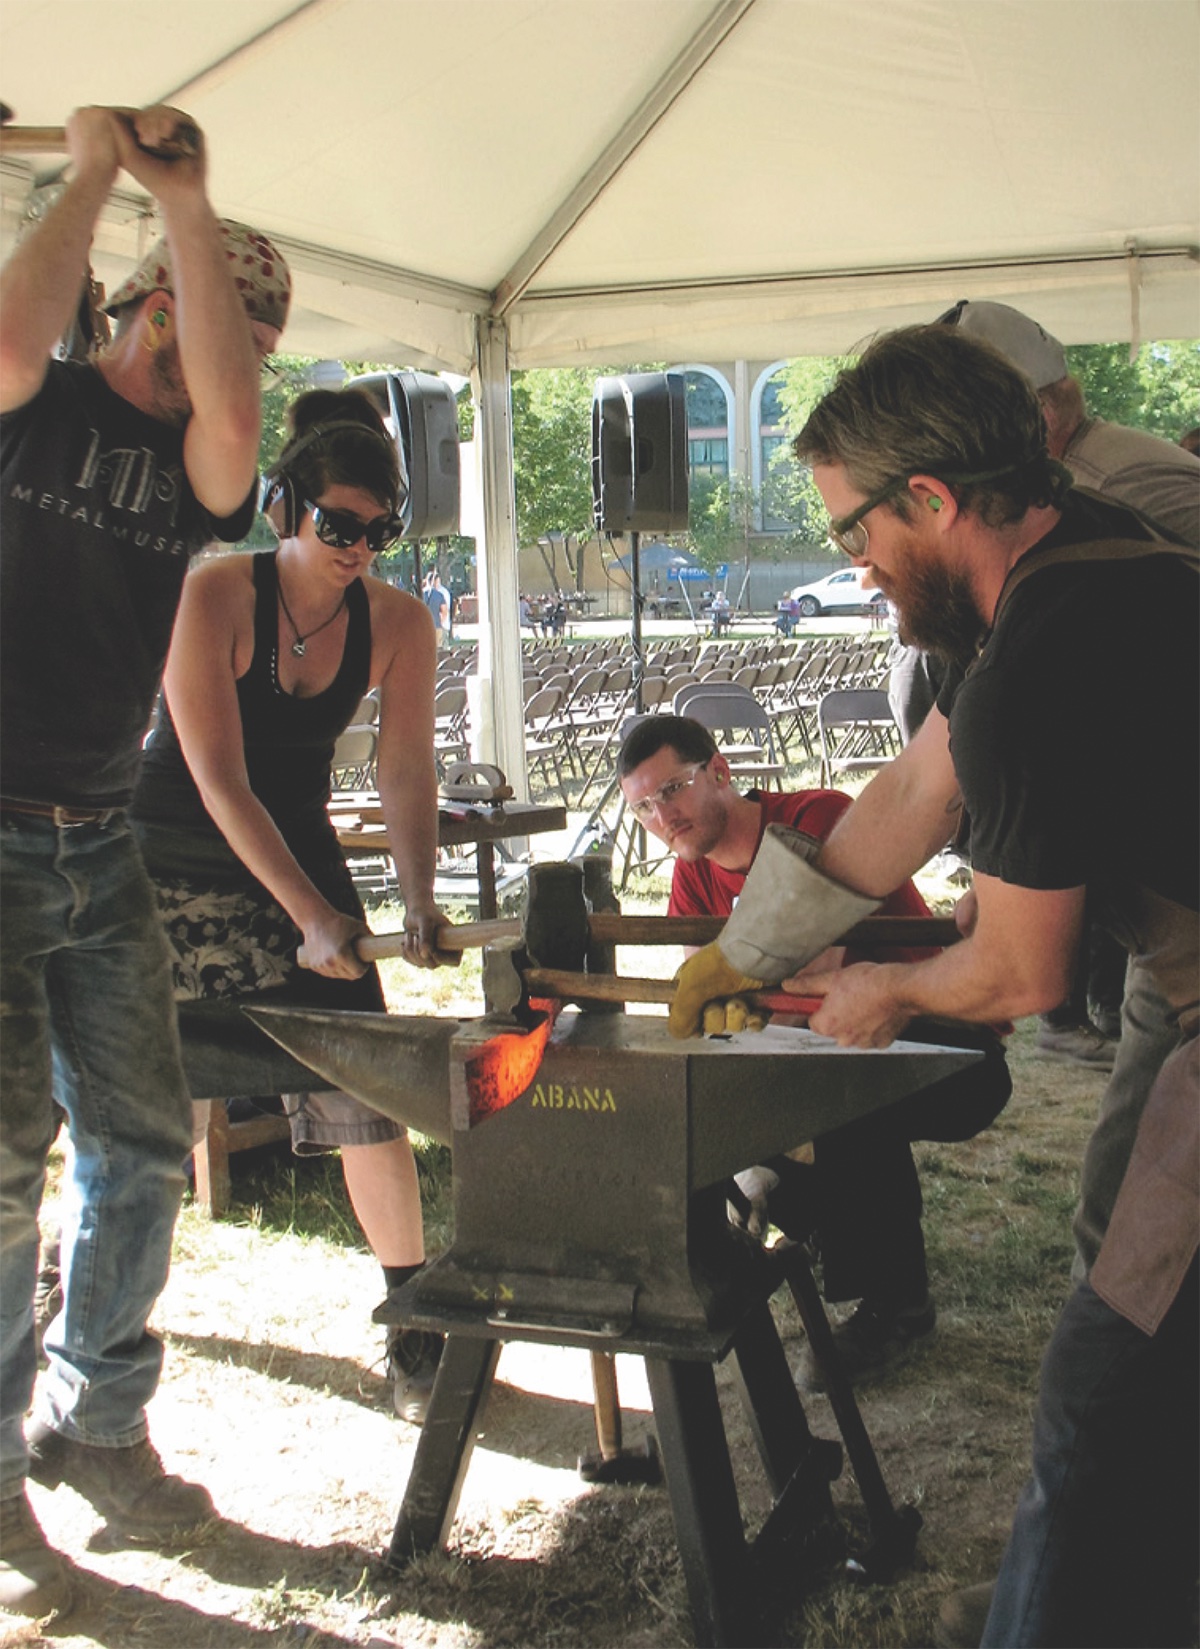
x: 259, y: 272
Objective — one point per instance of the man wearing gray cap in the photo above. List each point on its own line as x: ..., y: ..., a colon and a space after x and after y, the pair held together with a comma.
x: 1131, y: 466
x: 115, y: 471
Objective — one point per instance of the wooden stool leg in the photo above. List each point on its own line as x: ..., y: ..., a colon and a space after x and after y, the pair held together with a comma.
x: 210, y: 1162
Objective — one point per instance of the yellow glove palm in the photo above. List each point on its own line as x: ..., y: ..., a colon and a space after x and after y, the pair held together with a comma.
x: 702, y: 978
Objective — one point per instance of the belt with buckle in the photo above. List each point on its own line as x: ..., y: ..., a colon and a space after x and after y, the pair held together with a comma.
x: 63, y: 817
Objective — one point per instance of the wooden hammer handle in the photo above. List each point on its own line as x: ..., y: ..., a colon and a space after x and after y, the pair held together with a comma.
x: 52, y: 140
x: 606, y: 927
x: 613, y: 987
x: 451, y: 936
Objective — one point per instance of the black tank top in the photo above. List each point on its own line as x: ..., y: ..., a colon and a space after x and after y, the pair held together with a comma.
x: 288, y: 740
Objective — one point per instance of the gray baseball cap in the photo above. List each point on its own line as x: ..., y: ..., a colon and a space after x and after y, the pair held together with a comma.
x: 1027, y: 345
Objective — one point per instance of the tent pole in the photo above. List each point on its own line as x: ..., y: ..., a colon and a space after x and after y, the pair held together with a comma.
x: 635, y: 569
x: 501, y: 722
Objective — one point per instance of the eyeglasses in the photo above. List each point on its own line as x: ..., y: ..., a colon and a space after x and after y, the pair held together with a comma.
x: 649, y: 805
x: 849, y: 532
x: 342, y: 530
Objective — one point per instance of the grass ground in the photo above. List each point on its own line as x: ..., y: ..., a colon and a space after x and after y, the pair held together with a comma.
x: 273, y: 1396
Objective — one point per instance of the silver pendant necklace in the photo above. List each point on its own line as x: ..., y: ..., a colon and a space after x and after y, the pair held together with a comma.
x: 299, y: 646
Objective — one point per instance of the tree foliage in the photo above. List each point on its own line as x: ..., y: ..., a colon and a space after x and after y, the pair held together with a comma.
x: 1158, y: 391
x: 552, y: 452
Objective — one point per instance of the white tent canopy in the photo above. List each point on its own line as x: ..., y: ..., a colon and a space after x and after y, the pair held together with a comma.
x: 474, y: 184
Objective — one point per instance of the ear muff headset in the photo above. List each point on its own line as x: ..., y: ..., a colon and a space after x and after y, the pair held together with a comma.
x: 278, y: 499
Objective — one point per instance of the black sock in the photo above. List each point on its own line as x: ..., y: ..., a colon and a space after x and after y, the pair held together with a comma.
x: 395, y: 1276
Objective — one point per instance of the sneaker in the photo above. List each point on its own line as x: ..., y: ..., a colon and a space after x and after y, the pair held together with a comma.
x: 1076, y: 1044
x: 413, y: 1355
x: 871, y: 1343
x: 34, y: 1579
x: 963, y: 1616
x: 127, y: 1486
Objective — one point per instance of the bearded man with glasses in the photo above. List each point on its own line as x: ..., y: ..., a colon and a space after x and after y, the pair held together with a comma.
x: 855, y: 1193
x: 1072, y: 643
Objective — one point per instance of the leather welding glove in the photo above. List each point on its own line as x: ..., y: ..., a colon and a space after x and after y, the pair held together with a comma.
x: 756, y: 1185
x: 787, y: 913
x: 732, y: 1015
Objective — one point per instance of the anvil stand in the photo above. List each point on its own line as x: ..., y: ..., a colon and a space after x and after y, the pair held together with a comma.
x: 721, y: 1569
x: 719, y: 1566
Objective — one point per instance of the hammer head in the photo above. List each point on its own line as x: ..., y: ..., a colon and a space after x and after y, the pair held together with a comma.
x: 554, y: 934
x: 555, y: 919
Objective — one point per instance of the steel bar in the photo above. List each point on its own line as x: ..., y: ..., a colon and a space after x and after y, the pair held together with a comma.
x: 776, y: 1414
x: 892, y: 1532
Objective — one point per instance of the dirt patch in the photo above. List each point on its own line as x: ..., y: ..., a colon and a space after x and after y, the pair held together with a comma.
x: 273, y: 1397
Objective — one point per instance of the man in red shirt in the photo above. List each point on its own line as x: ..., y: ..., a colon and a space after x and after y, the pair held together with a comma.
x: 859, y: 1197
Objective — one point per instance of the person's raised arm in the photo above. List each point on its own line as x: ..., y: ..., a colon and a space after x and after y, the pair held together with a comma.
x: 201, y: 689
x: 41, y: 282
x: 216, y: 344
x: 405, y: 769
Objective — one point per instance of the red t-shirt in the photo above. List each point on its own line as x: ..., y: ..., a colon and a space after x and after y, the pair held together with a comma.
x: 702, y: 888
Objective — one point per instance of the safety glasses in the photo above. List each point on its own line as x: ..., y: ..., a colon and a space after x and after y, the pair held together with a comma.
x: 849, y: 532
x: 649, y: 805
x: 342, y: 530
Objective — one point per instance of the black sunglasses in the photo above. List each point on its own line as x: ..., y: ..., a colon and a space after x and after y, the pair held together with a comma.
x: 342, y: 530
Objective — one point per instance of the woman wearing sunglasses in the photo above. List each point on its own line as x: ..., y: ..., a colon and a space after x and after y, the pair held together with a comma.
x: 271, y: 657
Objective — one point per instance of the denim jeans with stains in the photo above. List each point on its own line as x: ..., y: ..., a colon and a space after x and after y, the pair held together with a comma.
x: 88, y: 1021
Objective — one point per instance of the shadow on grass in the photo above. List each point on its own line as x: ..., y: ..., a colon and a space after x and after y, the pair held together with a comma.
x: 550, y: 1431
x: 121, y: 1616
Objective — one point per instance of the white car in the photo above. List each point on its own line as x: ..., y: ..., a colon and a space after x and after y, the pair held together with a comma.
x: 840, y: 592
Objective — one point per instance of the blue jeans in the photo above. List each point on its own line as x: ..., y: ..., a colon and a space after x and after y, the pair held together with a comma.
x: 88, y: 1017
x: 1103, y: 1547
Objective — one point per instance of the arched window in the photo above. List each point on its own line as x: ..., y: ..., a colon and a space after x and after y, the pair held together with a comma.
x: 708, y: 424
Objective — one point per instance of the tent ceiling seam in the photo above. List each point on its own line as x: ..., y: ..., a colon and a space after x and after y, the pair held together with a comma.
x: 737, y: 284
x: 686, y: 66
x: 246, y: 48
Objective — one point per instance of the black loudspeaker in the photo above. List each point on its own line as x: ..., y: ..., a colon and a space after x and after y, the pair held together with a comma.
x: 639, y: 453
x: 422, y: 415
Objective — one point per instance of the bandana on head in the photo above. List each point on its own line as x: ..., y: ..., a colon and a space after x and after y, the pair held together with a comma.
x: 259, y: 273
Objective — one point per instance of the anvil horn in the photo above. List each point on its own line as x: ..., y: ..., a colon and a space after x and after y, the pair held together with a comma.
x: 397, y: 1063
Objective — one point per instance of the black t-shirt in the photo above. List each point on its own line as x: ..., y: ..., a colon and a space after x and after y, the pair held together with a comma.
x: 99, y: 523
x: 1075, y: 734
